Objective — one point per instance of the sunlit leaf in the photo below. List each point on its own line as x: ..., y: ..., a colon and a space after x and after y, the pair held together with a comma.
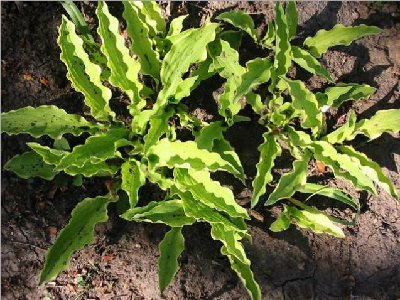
x: 76, y: 234
x: 171, y: 247
x: 308, y: 62
x: 338, y: 35
x: 240, y: 20
x: 132, y: 179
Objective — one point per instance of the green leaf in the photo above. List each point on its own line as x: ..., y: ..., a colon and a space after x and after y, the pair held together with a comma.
x: 291, y: 17
x: 176, y: 25
x: 291, y: 181
x: 171, y: 247
x: 344, y: 132
x: 383, y: 121
x: 61, y: 144
x: 140, y: 121
x: 84, y: 75
x: 231, y: 241
x: 45, y: 120
x: 142, y: 46
x: 96, y: 149
x: 168, y: 212
x: 88, y: 169
x: 282, y: 222
x: 233, y: 37
x: 305, y: 102
x: 258, y: 72
x: 158, y: 127
x: 240, y: 20
x: 226, y: 62
x: 76, y: 234
x: 371, y: 169
x: 124, y: 69
x: 312, y: 188
x: 29, y: 165
x: 245, y: 274
x: 309, y: 63
x: 78, y: 19
x: 282, y: 60
x: 338, y: 35
x: 342, y: 165
x: 200, y: 211
x: 269, y: 150
x: 186, y: 154
x: 269, y: 39
x: 342, y: 92
x: 212, y: 139
x: 255, y: 102
x: 132, y: 179
x: 313, y: 219
x: 151, y: 15
x: 208, y: 191
x: 190, y: 47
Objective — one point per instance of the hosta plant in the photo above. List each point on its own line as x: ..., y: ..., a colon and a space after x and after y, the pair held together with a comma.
x: 154, y: 70
x: 294, y: 119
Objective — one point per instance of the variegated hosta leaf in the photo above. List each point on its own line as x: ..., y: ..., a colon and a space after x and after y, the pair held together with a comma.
x: 258, y: 72
x: 185, y: 51
x: 342, y: 165
x: 45, y: 120
x: 245, y: 274
x: 96, y: 149
x: 208, y: 191
x: 342, y: 92
x: 158, y: 127
x: 132, y: 179
x: 186, y: 154
x: 54, y: 156
x: 83, y: 74
x: 291, y: 181
x: 371, y: 169
x: 312, y: 218
x: 291, y: 17
x: 124, y: 69
x: 212, y: 139
x: 240, y: 20
x: 383, y: 121
x: 269, y: 39
x: 338, y: 35
x: 269, y: 150
x: 282, y: 60
x: 77, y: 233
x: 151, y: 15
x: 344, y: 132
x: 29, y: 165
x: 171, y: 247
x: 312, y: 188
x: 176, y: 25
x: 168, y: 212
x: 138, y: 32
x: 305, y: 102
x: 200, y: 211
x: 309, y: 63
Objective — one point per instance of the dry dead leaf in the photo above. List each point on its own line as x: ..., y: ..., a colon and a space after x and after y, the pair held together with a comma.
x: 43, y: 80
x: 320, y: 167
x: 51, y: 230
x: 27, y: 77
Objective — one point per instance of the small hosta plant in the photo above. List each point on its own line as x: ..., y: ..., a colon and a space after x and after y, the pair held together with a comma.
x: 154, y: 73
x: 294, y: 118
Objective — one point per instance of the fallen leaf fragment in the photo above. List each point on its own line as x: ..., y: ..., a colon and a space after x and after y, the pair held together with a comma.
x: 27, y: 77
x: 51, y: 230
x: 43, y: 80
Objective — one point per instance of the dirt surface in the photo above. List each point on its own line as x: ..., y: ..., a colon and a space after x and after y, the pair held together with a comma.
x: 122, y: 264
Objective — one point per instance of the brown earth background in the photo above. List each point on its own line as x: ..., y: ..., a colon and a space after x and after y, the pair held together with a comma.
x: 122, y: 263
